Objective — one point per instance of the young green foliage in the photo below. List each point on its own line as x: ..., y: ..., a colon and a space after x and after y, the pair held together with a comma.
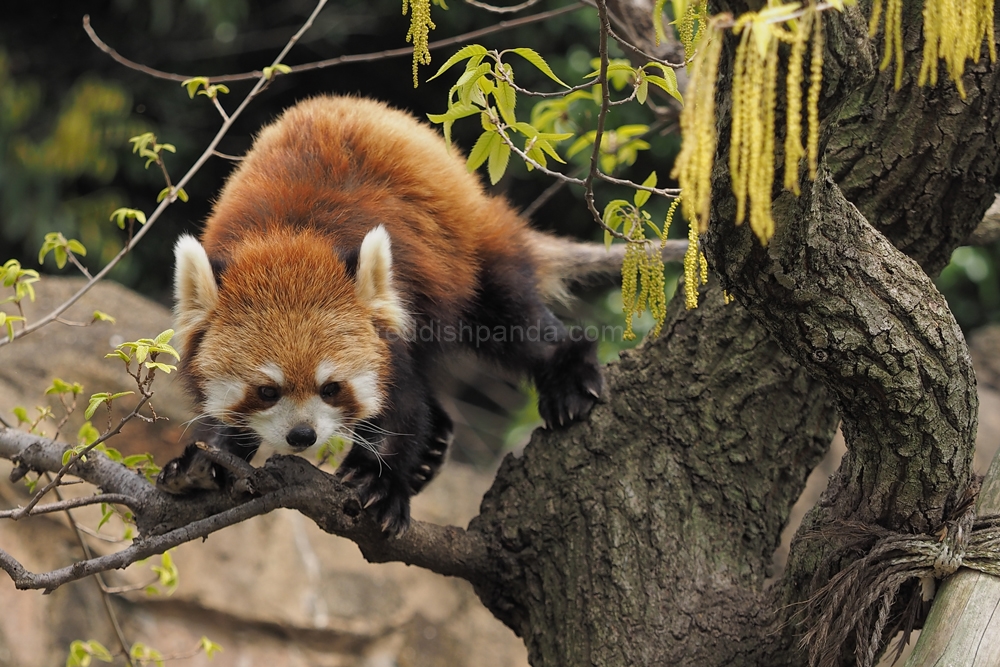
x: 145, y: 655
x: 82, y: 654
x: 60, y: 248
x: 488, y: 89
x: 145, y: 145
x: 120, y: 215
x: 168, y: 578
x: 20, y: 279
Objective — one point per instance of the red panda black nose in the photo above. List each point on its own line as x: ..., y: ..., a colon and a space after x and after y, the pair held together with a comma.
x: 301, y: 436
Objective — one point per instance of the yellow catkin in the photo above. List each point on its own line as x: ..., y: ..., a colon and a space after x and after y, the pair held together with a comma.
x: 954, y: 31
x: 420, y: 27
x: 693, y: 167
x: 815, y: 85
x: 630, y: 283
x: 794, y: 151
x: 692, y: 268
x: 751, y: 156
x: 738, y: 150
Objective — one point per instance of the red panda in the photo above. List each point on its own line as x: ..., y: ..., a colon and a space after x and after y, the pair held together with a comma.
x: 347, y: 228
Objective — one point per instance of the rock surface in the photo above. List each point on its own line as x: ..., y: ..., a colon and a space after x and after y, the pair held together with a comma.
x: 274, y: 590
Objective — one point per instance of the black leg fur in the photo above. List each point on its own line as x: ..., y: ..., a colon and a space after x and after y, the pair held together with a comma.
x: 398, y: 453
x: 525, y: 336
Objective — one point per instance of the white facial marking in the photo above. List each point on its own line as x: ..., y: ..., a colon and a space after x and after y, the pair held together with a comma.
x: 221, y: 395
x: 366, y: 392
x: 271, y: 370
x: 324, y: 373
x: 273, y: 424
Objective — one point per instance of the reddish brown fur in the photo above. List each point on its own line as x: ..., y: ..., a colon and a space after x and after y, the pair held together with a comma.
x: 251, y: 327
x: 339, y: 166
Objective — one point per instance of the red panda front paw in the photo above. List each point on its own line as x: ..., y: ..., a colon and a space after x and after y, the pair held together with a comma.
x: 570, y: 384
x: 379, y: 492
x: 191, y: 471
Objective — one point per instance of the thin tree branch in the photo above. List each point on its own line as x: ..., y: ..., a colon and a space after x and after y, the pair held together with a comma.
x: 167, y: 521
x: 502, y: 10
x: 332, y: 62
x: 72, y: 503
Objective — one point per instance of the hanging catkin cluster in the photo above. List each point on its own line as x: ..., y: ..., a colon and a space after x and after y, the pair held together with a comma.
x: 954, y: 31
x: 693, y: 167
x: 420, y: 27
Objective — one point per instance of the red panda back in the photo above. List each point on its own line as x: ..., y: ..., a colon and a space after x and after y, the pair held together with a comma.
x: 340, y: 166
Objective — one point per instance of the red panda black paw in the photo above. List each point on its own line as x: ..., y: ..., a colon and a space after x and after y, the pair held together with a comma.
x: 191, y: 471
x: 570, y: 385
x: 379, y: 493
x: 434, y: 450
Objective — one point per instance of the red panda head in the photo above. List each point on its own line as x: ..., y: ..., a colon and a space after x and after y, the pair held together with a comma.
x: 286, y: 342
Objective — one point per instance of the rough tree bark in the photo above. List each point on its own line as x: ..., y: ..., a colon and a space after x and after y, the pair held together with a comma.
x: 641, y: 537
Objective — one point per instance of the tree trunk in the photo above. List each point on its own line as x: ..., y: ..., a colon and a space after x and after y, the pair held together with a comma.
x: 642, y: 536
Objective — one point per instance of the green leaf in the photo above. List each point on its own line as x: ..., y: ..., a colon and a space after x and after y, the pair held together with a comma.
x: 60, y: 255
x: 481, y: 150
x: 462, y: 54
x: 615, y: 67
x: 87, y: 434
x: 608, y: 239
x: 95, y: 402
x: 182, y: 195
x: 76, y: 247
x: 506, y: 98
x: 280, y: 68
x: 209, y: 647
x: 106, y: 514
x: 21, y: 414
x: 668, y: 82
x: 119, y: 354
x: 194, y: 84
x: 163, y: 337
x: 166, y: 368
x: 642, y: 90
x: 532, y: 57
x: 499, y: 158
x: 642, y: 196
x: 100, y: 316
x: 163, y: 194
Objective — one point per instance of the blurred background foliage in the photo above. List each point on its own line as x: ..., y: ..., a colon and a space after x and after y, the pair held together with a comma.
x: 67, y: 111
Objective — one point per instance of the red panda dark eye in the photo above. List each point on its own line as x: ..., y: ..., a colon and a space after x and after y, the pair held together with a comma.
x: 268, y: 394
x: 330, y: 389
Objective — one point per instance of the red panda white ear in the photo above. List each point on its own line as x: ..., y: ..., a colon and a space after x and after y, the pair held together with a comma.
x: 195, y: 291
x: 373, y: 285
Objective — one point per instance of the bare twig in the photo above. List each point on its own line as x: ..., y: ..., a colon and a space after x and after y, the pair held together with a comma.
x: 502, y: 10
x: 227, y: 156
x: 635, y: 50
x: 112, y: 616
x: 340, y: 60
x: 112, y: 498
